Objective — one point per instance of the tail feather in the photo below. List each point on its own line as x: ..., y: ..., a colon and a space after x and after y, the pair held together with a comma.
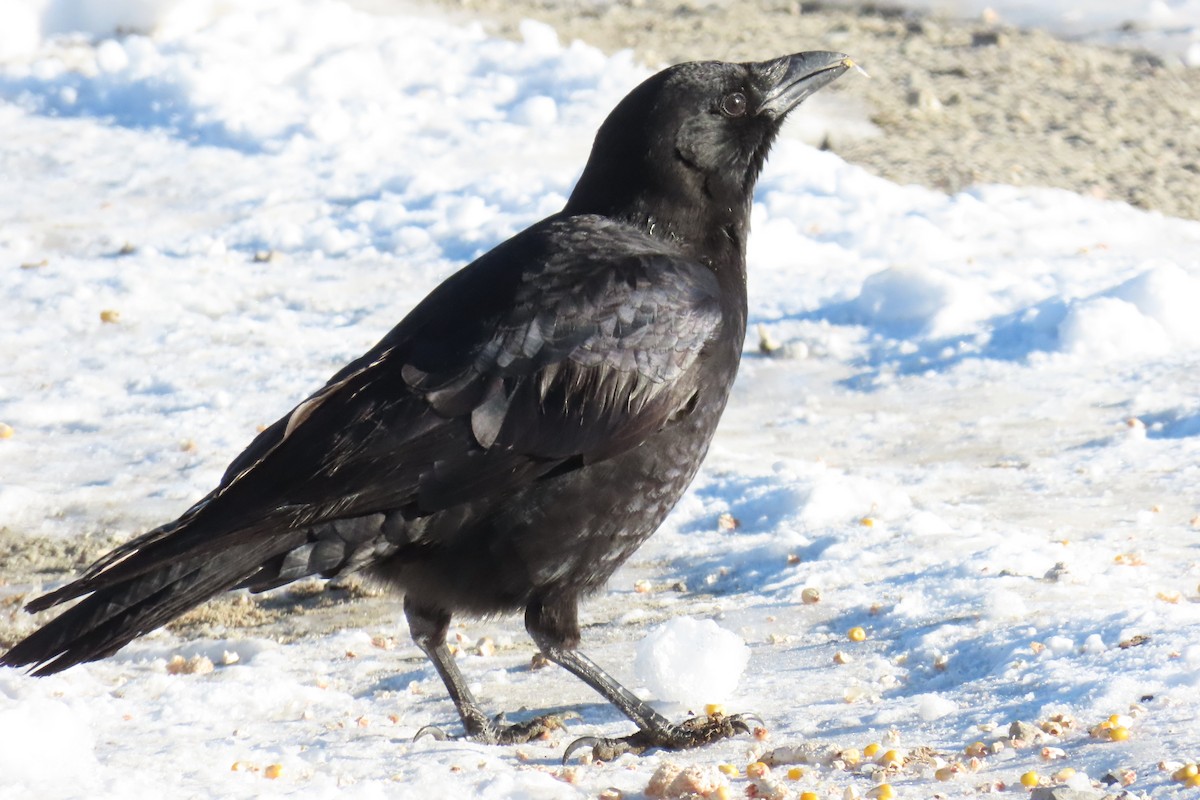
x: 111, y: 617
x: 145, y: 554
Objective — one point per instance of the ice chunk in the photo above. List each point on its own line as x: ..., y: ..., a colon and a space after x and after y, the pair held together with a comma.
x: 691, y: 661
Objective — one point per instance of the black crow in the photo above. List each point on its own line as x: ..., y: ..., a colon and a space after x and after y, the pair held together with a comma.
x: 521, y: 432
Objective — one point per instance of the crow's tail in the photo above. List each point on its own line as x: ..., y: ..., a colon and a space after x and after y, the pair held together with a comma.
x: 111, y: 616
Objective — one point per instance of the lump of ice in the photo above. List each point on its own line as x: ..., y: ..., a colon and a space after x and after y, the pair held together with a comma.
x: 691, y: 661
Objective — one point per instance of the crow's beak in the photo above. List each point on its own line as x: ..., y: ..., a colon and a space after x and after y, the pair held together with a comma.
x: 789, y: 80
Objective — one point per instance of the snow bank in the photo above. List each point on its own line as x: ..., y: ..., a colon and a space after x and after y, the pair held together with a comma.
x: 1151, y: 314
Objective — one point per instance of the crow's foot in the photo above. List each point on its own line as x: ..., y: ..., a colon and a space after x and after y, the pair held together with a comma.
x: 694, y: 732
x: 496, y: 732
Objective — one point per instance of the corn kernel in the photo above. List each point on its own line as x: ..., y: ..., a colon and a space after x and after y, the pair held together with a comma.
x: 883, y: 791
x: 871, y: 750
x: 728, y: 769
x: 1063, y: 775
x: 795, y: 774
x: 976, y: 749
x: 890, y: 757
x: 757, y: 770
x: 857, y: 634
x: 273, y: 771
x: 1185, y: 772
x: 712, y: 709
x: 851, y: 757
x: 945, y: 773
x: 1030, y: 779
x: 723, y: 793
x: 809, y: 796
x: 1114, y: 720
x: 1119, y: 734
x: 1193, y: 782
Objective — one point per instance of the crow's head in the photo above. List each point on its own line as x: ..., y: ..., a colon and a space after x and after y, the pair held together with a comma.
x: 694, y: 137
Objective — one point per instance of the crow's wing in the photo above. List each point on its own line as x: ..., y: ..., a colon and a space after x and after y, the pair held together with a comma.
x: 566, y: 345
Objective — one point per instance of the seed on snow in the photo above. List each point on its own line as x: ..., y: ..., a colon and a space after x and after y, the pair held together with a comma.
x: 891, y: 757
x: 856, y: 634
x: 851, y: 756
x: 1186, y: 772
x: 1030, y: 779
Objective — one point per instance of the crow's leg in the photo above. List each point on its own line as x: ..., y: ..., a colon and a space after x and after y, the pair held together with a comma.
x: 428, y: 628
x: 554, y: 627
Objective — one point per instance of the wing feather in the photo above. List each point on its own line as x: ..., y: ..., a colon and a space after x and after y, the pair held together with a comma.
x: 568, y: 344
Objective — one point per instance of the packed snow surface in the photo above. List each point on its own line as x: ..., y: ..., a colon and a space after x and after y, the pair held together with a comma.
x: 977, y: 435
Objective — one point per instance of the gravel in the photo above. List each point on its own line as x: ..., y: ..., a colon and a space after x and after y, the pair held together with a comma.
x: 951, y: 103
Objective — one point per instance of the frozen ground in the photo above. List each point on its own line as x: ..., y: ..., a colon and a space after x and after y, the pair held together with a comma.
x: 978, y: 436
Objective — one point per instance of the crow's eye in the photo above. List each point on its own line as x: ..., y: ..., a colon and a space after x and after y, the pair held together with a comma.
x: 734, y: 105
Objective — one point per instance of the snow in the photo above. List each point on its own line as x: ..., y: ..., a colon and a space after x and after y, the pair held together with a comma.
x: 690, y: 661
x: 979, y: 439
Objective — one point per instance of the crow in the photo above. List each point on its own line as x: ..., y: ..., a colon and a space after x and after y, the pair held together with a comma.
x: 520, y: 433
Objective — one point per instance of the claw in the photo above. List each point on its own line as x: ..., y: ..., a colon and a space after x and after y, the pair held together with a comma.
x: 753, y: 717
x: 432, y: 730
x: 692, y: 732
x: 579, y: 744
x: 609, y: 749
x: 739, y: 722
